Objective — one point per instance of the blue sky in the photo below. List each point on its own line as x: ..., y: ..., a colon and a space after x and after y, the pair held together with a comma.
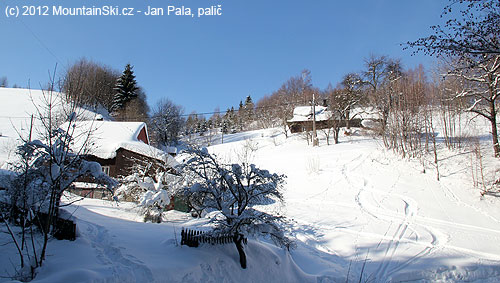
x: 217, y: 61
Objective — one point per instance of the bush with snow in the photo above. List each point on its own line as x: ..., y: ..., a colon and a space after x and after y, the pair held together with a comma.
x: 151, y: 193
x: 234, y: 192
x: 38, y: 179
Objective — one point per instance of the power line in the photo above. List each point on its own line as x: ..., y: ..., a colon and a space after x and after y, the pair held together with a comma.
x: 41, y: 42
x: 194, y: 113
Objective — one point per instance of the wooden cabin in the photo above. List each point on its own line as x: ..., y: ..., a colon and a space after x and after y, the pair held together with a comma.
x: 118, y: 147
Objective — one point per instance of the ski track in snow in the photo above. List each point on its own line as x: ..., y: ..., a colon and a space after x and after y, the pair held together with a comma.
x: 410, y: 212
x: 426, y: 235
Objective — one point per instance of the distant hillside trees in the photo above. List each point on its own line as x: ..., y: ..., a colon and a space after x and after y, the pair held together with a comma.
x: 4, y: 82
x: 194, y: 123
x: 94, y: 85
x: 88, y: 83
x: 247, y: 113
x: 137, y: 109
x: 229, y: 121
x: 216, y: 120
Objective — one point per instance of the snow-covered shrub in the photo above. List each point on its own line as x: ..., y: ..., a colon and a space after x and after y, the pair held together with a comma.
x: 43, y: 170
x: 235, y: 191
x: 151, y: 193
x: 129, y: 189
x: 6, y: 183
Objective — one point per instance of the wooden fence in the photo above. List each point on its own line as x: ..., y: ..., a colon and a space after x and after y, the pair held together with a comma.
x: 193, y: 238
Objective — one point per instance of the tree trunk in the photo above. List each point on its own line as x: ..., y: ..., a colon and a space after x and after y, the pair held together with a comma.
x: 336, y: 131
x: 494, y: 135
x: 238, y: 241
x: 494, y: 131
x: 348, y: 119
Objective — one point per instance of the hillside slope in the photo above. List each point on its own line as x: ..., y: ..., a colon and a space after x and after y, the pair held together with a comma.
x: 355, y: 201
x: 359, y: 213
x: 16, y: 107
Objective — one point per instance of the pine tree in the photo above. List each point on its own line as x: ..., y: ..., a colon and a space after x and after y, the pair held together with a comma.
x: 248, y: 101
x: 126, y: 89
x: 249, y: 109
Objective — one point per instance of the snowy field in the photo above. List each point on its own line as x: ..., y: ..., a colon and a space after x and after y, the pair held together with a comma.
x: 363, y: 209
x: 359, y: 212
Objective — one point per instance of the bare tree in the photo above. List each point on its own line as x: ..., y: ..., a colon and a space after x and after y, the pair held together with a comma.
x: 482, y: 76
x: 167, y: 122
x: 381, y: 76
x: 295, y: 91
x: 350, y: 96
x: 89, y: 83
x: 337, y: 106
x: 475, y: 32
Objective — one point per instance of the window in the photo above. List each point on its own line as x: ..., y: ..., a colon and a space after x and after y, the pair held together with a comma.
x: 105, y: 170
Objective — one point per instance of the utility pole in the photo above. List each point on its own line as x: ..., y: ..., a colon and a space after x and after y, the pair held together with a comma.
x: 315, y: 136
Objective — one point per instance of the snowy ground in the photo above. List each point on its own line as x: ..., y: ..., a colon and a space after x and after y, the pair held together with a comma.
x: 355, y: 201
x: 114, y: 245
x: 359, y: 211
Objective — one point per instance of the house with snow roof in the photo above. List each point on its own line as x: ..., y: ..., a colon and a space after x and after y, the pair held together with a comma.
x: 117, y: 146
x: 302, y: 119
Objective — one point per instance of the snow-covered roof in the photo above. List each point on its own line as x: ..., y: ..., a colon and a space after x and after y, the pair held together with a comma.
x: 106, y: 137
x: 304, y: 113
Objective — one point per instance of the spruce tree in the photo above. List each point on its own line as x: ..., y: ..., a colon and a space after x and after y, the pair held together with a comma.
x: 248, y: 102
x: 126, y: 89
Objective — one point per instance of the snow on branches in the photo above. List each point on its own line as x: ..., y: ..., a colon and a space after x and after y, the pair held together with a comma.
x: 234, y: 191
x: 47, y: 169
x: 152, y: 186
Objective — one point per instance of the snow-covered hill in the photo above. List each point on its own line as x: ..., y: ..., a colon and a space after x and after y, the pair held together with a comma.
x: 16, y: 107
x: 360, y: 207
x: 360, y: 213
